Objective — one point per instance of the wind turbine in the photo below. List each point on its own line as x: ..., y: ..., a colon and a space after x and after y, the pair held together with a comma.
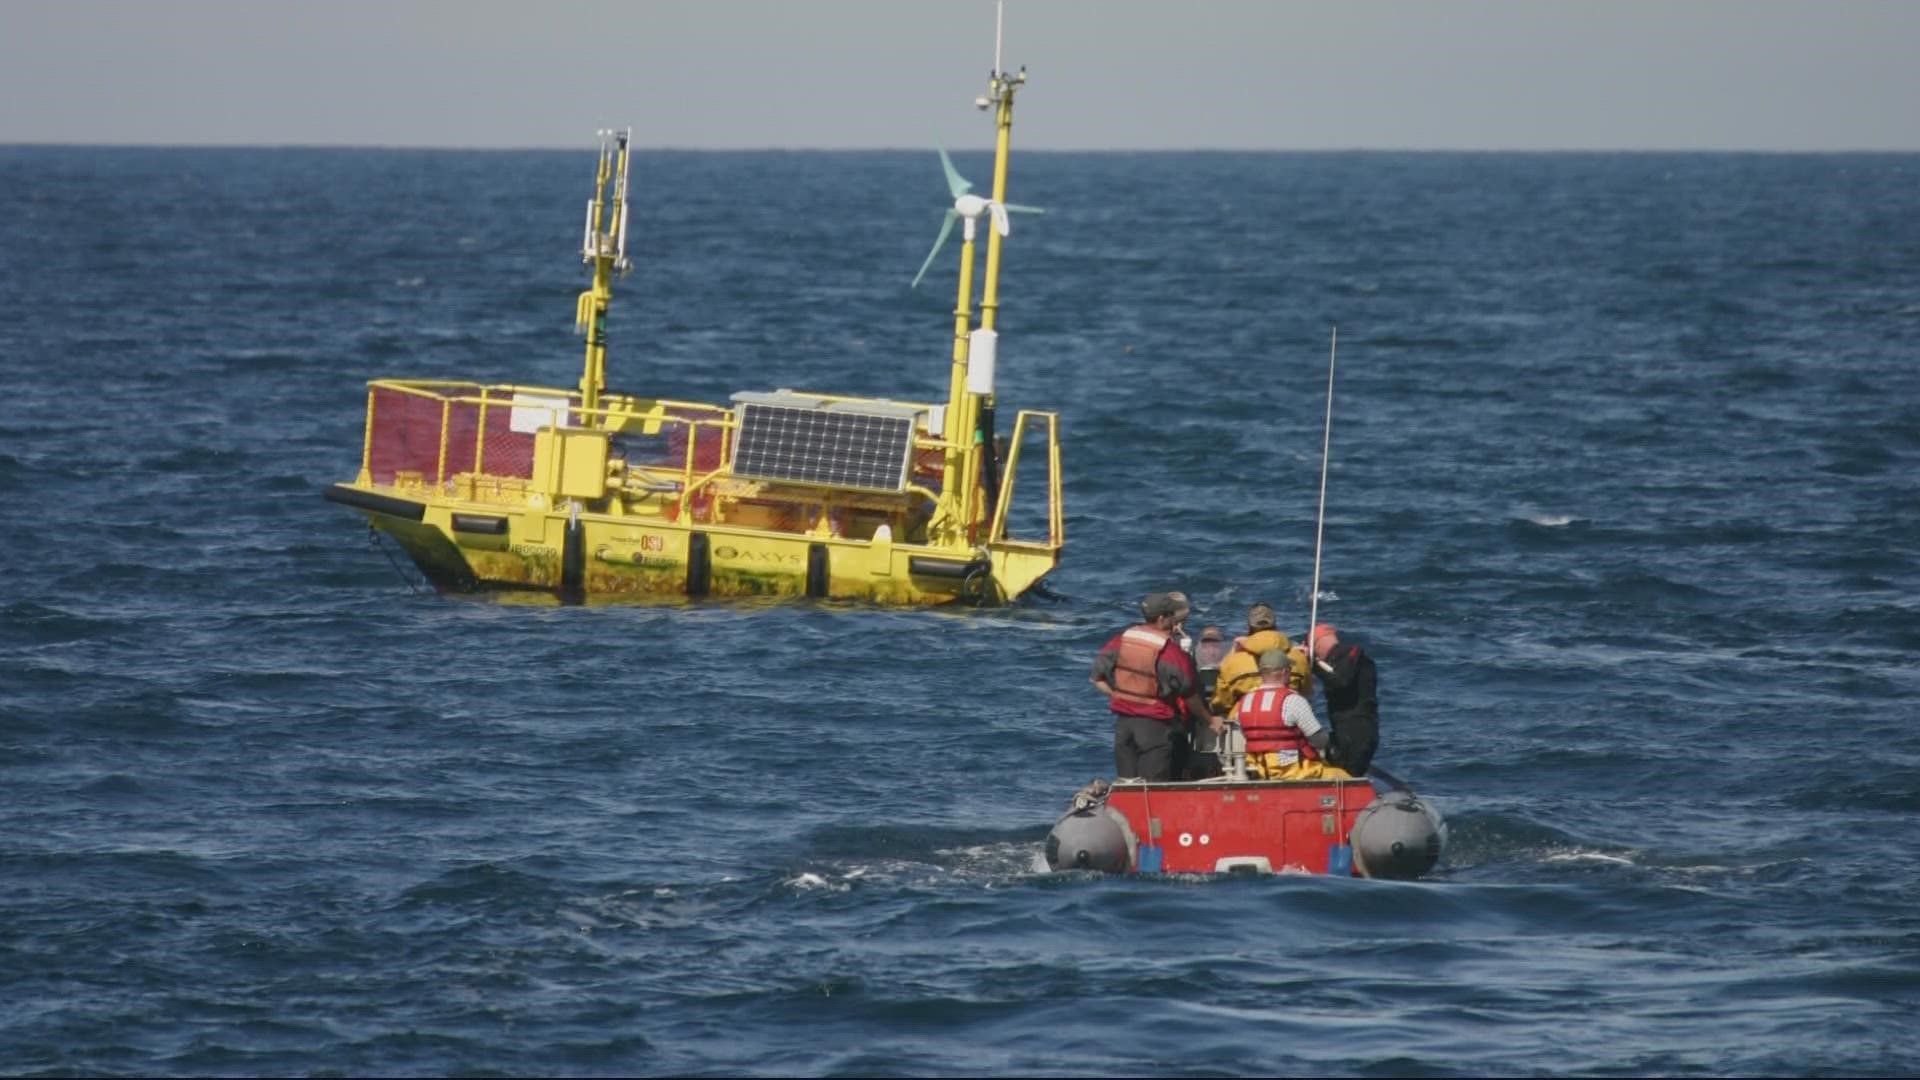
x: 968, y: 207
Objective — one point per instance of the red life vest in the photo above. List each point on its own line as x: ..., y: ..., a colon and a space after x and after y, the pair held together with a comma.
x: 1261, y: 720
x: 1136, y: 675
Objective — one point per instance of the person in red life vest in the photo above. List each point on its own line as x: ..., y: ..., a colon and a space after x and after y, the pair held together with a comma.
x: 1193, y: 744
x: 1353, y: 705
x: 1285, y: 741
x: 1148, y: 680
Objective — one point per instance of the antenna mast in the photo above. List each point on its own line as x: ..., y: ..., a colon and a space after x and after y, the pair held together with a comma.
x: 999, y: 22
x: 1320, y: 528
x: 1000, y: 91
x: 982, y: 480
x: 604, y: 246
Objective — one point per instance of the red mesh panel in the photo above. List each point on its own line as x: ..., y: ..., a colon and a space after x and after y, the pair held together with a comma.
x: 707, y: 443
x: 699, y: 507
x: 508, y: 452
x: 648, y: 450
x: 930, y: 468
x: 668, y: 449
x: 463, y: 421
x: 786, y: 516
x: 406, y: 435
x: 406, y: 438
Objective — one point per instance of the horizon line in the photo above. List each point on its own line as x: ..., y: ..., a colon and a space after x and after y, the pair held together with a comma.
x: 800, y: 149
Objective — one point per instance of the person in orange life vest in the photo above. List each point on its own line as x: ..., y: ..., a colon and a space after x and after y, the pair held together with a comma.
x: 1240, y: 673
x: 1285, y: 741
x: 1353, y: 703
x: 1182, y: 609
x: 1148, y: 679
x: 1187, y: 737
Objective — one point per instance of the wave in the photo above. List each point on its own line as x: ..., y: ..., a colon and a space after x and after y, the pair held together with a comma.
x: 1550, y: 521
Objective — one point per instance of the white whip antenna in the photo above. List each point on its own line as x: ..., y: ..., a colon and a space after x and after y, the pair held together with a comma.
x: 999, y: 20
x: 1320, y: 528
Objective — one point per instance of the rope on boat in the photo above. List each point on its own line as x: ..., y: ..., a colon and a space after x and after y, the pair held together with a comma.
x: 373, y: 540
x: 1393, y: 781
x: 1039, y: 589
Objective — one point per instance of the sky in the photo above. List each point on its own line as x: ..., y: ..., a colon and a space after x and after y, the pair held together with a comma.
x: 1794, y: 75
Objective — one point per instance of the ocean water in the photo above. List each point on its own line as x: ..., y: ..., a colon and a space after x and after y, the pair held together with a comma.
x: 1623, y: 498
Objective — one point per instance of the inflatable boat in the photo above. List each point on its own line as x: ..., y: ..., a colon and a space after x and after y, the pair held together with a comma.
x: 1374, y: 827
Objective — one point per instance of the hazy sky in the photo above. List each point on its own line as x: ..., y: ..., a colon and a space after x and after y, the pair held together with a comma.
x: 1477, y: 74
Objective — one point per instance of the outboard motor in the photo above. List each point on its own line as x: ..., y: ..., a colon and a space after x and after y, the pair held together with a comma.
x: 1090, y: 836
x: 1397, y: 836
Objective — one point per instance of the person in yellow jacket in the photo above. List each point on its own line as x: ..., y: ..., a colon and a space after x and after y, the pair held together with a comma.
x: 1239, y: 671
x: 1285, y: 740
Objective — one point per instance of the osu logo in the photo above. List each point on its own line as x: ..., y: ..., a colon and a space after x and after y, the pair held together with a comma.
x: 651, y: 542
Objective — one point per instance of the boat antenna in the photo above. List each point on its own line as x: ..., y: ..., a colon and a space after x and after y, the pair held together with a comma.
x: 999, y: 23
x: 1319, y: 534
x: 1320, y: 527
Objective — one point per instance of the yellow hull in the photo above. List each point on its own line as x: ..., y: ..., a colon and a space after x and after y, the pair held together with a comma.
x: 583, y: 493
x: 462, y: 546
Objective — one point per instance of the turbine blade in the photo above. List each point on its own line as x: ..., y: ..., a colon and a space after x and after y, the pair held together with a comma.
x: 1000, y: 223
x: 1018, y: 209
x: 946, y: 229
x: 955, y: 182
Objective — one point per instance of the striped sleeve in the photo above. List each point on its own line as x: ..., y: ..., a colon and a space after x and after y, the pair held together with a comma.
x: 1298, y: 714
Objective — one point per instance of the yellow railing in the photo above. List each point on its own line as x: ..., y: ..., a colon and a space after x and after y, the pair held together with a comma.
x: 486, y: 399
x: 1056, y: 516
x: 403, y: 448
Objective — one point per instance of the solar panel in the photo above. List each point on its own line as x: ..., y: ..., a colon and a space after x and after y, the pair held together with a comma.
x: 833, y: 447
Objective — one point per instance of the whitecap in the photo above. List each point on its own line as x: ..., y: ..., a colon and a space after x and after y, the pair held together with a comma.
x: 810, y: 880
x: 1589, y: 856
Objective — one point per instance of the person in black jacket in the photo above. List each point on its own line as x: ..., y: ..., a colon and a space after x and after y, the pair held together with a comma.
x: 1347, y: 678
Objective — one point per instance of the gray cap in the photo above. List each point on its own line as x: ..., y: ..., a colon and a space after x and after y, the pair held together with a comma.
x: 1272, y: 660
x: 1157, y: 604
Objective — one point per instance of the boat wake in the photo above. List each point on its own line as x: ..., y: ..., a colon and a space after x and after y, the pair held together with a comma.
x: 1492, y: 844
x: 842, y: 859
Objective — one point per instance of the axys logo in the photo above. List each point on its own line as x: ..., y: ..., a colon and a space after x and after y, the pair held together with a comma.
x: 773, y: 558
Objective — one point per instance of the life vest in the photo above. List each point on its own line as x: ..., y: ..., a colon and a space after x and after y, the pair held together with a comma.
x: 1239, y: 672
x: 1262, y: 721
x: 1136, y: 674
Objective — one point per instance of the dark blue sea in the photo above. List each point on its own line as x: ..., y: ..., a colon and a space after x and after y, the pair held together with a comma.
x: 1624, y: 498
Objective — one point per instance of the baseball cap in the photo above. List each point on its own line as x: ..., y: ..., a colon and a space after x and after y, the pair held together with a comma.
x: 1157, y: 604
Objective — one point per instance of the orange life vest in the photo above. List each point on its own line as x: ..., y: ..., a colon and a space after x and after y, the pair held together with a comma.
x: 1136, y: 674
x: 1266, y: 729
